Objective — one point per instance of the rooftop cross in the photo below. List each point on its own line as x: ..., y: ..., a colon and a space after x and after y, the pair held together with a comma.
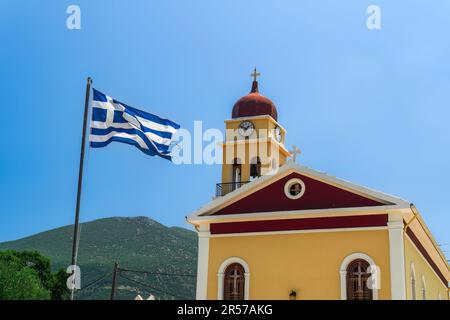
x: 294, y: 152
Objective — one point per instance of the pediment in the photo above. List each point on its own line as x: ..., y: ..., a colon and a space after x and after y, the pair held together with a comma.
x: 321, y: 192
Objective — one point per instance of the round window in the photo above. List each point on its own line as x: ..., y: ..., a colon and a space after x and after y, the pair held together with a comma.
x: 294, y: 189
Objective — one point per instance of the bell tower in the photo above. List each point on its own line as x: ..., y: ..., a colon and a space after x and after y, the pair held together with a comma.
x: 254, y: 141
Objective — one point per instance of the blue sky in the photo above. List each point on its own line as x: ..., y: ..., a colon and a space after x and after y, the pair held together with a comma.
x: 371, y: 107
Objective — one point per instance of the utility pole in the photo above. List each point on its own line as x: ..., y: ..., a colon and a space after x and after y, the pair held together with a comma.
x: 113, y: 286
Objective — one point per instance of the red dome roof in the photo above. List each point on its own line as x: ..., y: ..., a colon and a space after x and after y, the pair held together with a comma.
x: 254, y: 104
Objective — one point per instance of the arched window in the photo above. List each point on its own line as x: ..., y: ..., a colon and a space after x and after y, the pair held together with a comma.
x: 357, y: 276
x: 424, y: 289
x: 348, y: 266
x: 234, y: 282
x: 255, y: 168
x: 237, y: 174
x: 413, y: 282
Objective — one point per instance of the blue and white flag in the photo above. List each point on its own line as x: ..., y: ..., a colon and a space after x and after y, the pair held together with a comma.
x: 115, y: 121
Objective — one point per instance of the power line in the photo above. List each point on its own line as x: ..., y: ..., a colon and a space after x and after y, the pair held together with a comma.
x: 159, y: 273
x: 95, y: 281
x: 152, y: 288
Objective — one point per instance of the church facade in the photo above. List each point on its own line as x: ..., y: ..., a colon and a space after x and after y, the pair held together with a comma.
x: 279, y: 230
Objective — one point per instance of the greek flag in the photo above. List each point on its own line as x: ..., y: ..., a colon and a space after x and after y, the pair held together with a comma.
x: 115, y: 121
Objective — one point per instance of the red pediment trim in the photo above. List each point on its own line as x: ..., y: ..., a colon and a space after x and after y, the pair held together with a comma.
x: 359, y: 221
x: 318, y: 195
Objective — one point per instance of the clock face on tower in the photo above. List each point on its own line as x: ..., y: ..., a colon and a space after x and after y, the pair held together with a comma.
x: 246, y: 128
x: 278, y: 134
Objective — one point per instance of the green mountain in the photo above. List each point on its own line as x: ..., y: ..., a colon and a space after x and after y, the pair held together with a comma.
x: 163, y: 259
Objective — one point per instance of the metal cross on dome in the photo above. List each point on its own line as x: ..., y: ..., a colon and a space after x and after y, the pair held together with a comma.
x: 255, y: 74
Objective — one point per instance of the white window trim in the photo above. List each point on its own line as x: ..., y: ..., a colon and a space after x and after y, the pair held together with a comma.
x: 343, y: 272
x: 221, y: 275
x: 413, y: 276
x: 423, y: 289
x: 288, y: 185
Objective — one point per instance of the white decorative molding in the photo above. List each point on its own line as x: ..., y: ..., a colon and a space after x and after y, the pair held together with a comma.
x: 343, y: 272
x: 221, y: 275
x: 397, y: 258
x: 202, y: 262
x: 309, y: 213
x: 389, y: 202
x: 343, y: 278
x: 288, y: 185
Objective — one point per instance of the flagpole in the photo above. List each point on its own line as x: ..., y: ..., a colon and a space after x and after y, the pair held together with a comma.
x: 80, y: 181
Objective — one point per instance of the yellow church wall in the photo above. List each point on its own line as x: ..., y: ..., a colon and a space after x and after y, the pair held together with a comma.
x: 306, y: 262
x: 433, y: 284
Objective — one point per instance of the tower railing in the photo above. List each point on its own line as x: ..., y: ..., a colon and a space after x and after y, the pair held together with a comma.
x: 227, y: 187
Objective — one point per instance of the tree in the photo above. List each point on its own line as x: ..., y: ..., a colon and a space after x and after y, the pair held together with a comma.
x: 20, y: 283
x: 59, y: 287
x: 28, y: 275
